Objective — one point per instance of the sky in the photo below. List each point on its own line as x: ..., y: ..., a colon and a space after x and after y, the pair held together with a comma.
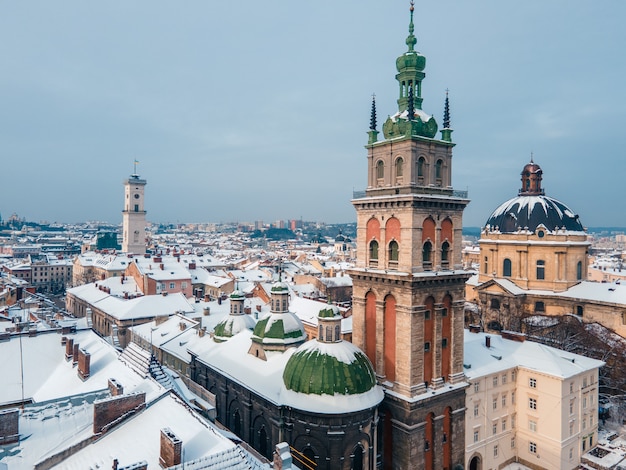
x: 248, y: 110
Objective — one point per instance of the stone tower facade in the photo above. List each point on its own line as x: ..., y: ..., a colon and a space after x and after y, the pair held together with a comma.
x: 408, y: 285
x: 134, y: 215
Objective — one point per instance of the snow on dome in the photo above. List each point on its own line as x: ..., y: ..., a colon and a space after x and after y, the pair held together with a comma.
x: 329, y: 369
x: 424, y: 117
x: 276, y: 328
x: 280, y: 287
x: 331, y: 311
x: 529, y: 212
x: 232, y: 325
x: 237, y: 294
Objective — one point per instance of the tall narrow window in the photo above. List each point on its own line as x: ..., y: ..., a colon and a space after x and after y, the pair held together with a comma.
x: 541, y: 269
x: 380, y: 170
x: 438, y: 169
x: 393, y: 251
x: 426, y: 255
x: 420, y: 167
x: 579, y: 271
x: 373, y: 250
x: 399, y: 167
x: 445, y: 252
x: 506, y: 267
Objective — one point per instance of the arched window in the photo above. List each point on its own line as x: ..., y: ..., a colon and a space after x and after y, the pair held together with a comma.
x: 337, y: 333
x: 380, y: 170
x: 438, y: 169
x: 237, y: 423
x: 426, y: 255
x: 357, y: 458
x: 420, y: 166
x: 506, y: 267
x: 263, y: 447
x: 579, y: 271
x: 329, y: 333
x: 445, y: 252
x: 393, y: 250
x: 374, y: 251
x: 399, y: 167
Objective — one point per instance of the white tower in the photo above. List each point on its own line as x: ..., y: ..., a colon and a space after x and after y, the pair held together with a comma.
x: 134, y: 215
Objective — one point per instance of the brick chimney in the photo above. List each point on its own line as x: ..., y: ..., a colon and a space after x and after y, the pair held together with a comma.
x: 69, y: 349
x: 110, y: 411
x: 84, y: 361
x: 171, y: 449
x: 488, y: 341
x: 282, y: 457
x: 9, y: 426
x: 115, y: 388
x: 75, y: 354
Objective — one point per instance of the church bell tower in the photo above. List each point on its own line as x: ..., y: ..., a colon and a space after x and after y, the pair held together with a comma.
x: 134, y: 215
x: 408, y: 284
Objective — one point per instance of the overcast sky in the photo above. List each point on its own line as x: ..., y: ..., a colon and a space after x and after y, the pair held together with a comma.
x: 249, y: 110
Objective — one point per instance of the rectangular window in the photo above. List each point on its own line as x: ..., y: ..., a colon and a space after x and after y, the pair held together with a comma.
x: 503, y: 424
x: 532, y: 383
x: 494, y: 427
x: 503, y: 378
x: 503, y: 400
x: 571, y: 453
x: 584, y: 403
x: 495, y: 403
x: 513, y: 397
x: 426, y: 347
x: 495, y: 380
x: 444, y: 343
x: 513, y: 375
x: 183, y: 285
x: 532, y: 447
x: 172, y: 285
x: 476, y: 409
x: 532, y: 403
x: 541, y: 269
x: 571, y: 388
x: 476, y: 435
x: 532, y: 425
x: 495, y: 450
x: 571, y: 406
x: 513, y: 422
x: 444, y: 312
x: 476, y: 387
x: 571, y: 428
x: 513, y: 443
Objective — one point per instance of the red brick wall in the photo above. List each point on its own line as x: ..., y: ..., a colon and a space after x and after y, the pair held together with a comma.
x: 112, y: 409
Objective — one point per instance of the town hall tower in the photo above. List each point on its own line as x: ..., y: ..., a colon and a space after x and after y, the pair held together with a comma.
x: 134, y: 215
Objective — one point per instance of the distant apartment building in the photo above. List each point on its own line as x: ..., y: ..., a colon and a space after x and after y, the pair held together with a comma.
x: 527, y: 403
x: 160, y: 275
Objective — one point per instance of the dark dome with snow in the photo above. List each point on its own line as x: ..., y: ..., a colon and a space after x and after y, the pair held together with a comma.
x: 533, y: 208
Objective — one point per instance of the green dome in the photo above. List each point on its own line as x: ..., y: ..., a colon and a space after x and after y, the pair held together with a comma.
x: 279, y: 287
x: 237, y: 295
x: 328, y: 369
x: 232, y: 325
x: 331, y: 311
x: 277, y: 328
x: 411, y: 60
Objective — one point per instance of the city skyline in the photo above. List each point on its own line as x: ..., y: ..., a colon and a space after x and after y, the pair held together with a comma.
x: 248, y: 112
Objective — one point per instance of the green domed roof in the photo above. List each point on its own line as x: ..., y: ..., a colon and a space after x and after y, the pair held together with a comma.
x: 232, y: 325
x: 329, y: 369
x: 279, y: 287
x: 329, y: 312
x: 237, y: 295
x: 278, y: 328
x: 411, y: 60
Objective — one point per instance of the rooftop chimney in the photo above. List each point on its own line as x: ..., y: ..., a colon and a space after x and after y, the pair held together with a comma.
x: 69, y: 349
x: 84, y: 360
x: 115, y: 388
x: 488, y: 341
x: 9, y: 426
x: 171, y: 449
x: 282, y: 457
x: 110, y: 411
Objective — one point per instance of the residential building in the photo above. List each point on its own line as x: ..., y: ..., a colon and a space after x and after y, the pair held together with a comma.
x: 527, y: 403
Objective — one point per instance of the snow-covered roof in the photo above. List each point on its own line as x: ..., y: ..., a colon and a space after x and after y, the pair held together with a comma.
x: 504, y: 354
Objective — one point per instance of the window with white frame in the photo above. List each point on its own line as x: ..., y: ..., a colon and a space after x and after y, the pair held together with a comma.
x: 532, y: 382
x: 476, y: 387
x: 476, y: 409
x: 494, y: 427
x: 495, y: 380
x: 495, y: 403
x: 513, y: 442
x: 503, y: 400
x: 532, y: 447
x: 503, y: 424
x: 504, y: 378
x: 513, y: 375
x: 532, y: 403
x: 532, y: 425
x: 476, y: 435
x: 495, y: 450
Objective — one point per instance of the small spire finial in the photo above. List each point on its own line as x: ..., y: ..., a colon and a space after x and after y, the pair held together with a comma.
x: 531, y: 157
x: 135, y: 162
x: 373, y: 115
x: 411, y: 106
x: 410, y: 40
x: 446, y: 112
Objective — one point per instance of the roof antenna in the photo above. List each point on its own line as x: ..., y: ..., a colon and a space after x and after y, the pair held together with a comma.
x: 531, y: 157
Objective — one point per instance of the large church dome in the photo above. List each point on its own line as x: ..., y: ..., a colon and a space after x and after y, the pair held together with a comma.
x: 532, y: 208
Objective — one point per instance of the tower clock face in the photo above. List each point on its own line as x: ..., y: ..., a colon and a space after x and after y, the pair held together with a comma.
x: 136, y: 196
